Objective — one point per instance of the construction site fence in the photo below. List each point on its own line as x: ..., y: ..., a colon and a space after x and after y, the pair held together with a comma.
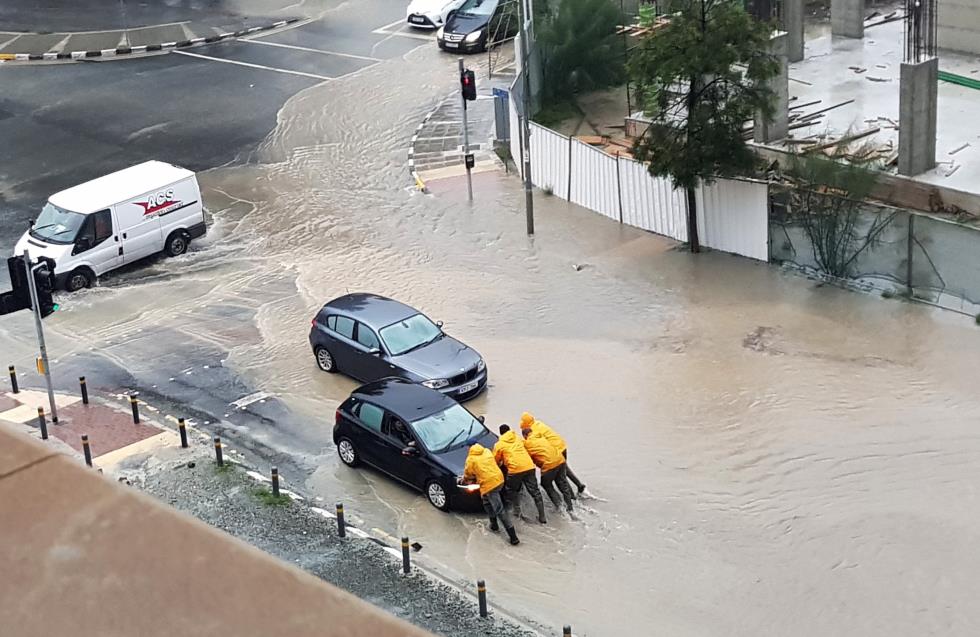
x: 895, y: 251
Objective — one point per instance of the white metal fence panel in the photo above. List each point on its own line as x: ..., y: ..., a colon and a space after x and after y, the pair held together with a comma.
x: 515, y: 137
x: 595, y: 184
x: 549, y: 160
x: 651, y: 202
x: 733, y: 216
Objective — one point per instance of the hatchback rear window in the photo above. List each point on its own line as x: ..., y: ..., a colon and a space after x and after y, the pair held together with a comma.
x: 344, y: 326
x: 371, y: 416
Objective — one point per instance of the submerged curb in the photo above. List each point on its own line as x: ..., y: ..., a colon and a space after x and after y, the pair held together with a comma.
x: 143, y: 48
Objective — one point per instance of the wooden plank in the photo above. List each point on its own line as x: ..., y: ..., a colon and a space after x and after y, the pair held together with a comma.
x: 843, y: 141
x: 591, y: 140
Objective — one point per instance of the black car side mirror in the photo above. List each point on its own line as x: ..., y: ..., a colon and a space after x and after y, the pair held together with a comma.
x: 374, y: 351
x: 482, y: 419
x: 439, y: 324
x: 410, y: 451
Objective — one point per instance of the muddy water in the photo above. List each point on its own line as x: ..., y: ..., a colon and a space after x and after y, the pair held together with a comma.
x: 769, y: 457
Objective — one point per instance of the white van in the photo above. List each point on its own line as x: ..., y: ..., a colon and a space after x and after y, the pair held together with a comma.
x: 102, y: 224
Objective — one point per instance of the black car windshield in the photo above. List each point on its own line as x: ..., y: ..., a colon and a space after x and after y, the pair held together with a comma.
x: 409, y: 334
x: 478, y: 7
x: 57, y: 225
x: 447, y: 429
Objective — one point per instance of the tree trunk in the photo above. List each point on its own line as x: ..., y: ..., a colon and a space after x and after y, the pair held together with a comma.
x: 692, y: 221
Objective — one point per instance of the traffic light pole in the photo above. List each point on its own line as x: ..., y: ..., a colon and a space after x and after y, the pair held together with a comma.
x: 525, y: 127
x: 466, y: 139
x: 35, y: 307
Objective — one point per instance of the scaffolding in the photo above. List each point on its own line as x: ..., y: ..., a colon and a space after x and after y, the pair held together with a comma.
x: 502, y: 31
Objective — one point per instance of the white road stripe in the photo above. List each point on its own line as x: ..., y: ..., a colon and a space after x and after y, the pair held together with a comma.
x: 311, y: 50
x: 402, y: 34
x: 255, y: 66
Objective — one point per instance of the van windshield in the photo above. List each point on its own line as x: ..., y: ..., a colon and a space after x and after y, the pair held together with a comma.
x: 56, y: 225
x: 478, y: 7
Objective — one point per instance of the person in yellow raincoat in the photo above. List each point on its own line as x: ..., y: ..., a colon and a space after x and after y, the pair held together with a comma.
x: 552, y: 465
x: 527, y: 420
x: 509, y: 452
x: 482, y: 469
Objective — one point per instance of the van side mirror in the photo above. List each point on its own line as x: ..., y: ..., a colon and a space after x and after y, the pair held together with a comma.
x: 82, y: 244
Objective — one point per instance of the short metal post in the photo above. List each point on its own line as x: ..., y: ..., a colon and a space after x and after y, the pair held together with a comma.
x: 341, y: 526
x: 183, y: 433
x: 134, y: 403
x: 13, y: 379
x: 217, y: 452
x: 84, y: 388
x: 909, y: 286
x: 275, y: 482
x: 566, y: 631
x: 406, y: 560
x: 42, y: 423
x: 87, y: 449
x: 481, y: 590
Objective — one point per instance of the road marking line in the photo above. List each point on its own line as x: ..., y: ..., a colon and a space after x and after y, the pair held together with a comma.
x: 256, y: 66
x: 312, y: 50
x: 416, y: 36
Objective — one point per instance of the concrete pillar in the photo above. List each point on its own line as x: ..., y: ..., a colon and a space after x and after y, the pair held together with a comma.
x: 917, y: 116
x: 793, y: 25
x: 847, y: 18
x: 776, y: 127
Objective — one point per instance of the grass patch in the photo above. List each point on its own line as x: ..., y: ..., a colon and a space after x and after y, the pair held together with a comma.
x: 265, y: 496
x: 226, y: 469
x: 552, y: 115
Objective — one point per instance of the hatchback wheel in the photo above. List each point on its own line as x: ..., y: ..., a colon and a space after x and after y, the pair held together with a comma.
x: 437, y: 495
x: 347, y: 452
x: 324, y: 360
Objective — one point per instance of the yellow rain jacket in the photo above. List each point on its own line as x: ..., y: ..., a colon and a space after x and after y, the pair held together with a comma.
x: 510, y: 452
x: 544, y: 454
x: 539, y: 427
x: 481, y: 466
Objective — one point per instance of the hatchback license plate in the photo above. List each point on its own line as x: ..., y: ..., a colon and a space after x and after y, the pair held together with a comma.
x: 470, y: 386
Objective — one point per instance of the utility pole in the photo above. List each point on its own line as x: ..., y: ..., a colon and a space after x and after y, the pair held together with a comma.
x: 525, y: 127
x: 467, y: 158
x: 36, y: 308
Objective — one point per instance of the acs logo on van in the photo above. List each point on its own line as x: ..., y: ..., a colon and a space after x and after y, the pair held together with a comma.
x: 159, y: 203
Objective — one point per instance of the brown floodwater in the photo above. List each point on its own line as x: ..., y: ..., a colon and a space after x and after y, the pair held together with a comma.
x: 768, y: 456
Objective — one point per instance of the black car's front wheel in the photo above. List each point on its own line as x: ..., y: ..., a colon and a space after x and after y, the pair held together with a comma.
x: 347, y: 452
x: 324, y: 359
x: 437, y: 495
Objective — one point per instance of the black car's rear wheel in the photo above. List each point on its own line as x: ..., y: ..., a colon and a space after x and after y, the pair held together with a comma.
x: 437, y: 495
x: 324, y: 359
x: 347, y: 452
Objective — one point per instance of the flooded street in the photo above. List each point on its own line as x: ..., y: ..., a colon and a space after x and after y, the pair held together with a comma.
x: 768, y: 456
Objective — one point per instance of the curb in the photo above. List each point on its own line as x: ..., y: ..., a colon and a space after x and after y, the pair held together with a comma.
x: 419, y: 184
x: 143, y: 48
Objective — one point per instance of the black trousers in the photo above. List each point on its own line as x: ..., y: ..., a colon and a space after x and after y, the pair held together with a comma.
x: 557, y: 477
x: 524, y: 480
x: 494, y: 507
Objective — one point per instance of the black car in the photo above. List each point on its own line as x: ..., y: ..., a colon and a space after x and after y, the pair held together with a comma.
x: 476, y: 23
x: 414, y: 434
x: 369, y: 337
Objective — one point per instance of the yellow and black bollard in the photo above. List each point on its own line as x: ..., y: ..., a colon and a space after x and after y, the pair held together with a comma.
x: 42, y: 423
x: 134, y: 403
x: 217, y: 452
x: 87, y: 450
x: 275, y: 482
x: 481, y: 591
x: 183, y: 433
x: 406, y: 560
x: 84, y: 388
x: 13, y: 379
x: 341, y: 525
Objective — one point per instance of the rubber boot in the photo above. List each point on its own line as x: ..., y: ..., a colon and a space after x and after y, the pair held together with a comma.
x: 493, y: 524
x: 512, y: 534
x: 541, y: 518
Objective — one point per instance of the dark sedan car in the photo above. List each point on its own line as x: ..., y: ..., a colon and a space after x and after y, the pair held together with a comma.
x: 369, y: 337
x: 476, y: 25
x: 414, y: 434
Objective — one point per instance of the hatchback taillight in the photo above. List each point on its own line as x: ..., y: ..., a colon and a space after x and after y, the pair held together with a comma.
x: 336, y: 418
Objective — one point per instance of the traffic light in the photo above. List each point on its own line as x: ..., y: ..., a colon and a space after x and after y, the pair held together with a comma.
x: 44, y: 284
x: 467, y: 80
x: 19, y: 298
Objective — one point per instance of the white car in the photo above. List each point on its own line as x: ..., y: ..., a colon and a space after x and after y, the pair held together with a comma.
x: 430, y: 14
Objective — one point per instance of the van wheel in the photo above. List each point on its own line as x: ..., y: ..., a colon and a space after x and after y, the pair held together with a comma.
x: 176, y: 244
x: 78, y: 279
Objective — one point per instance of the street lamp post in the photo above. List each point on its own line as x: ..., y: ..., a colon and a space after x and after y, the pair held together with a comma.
x: 525, y: 126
